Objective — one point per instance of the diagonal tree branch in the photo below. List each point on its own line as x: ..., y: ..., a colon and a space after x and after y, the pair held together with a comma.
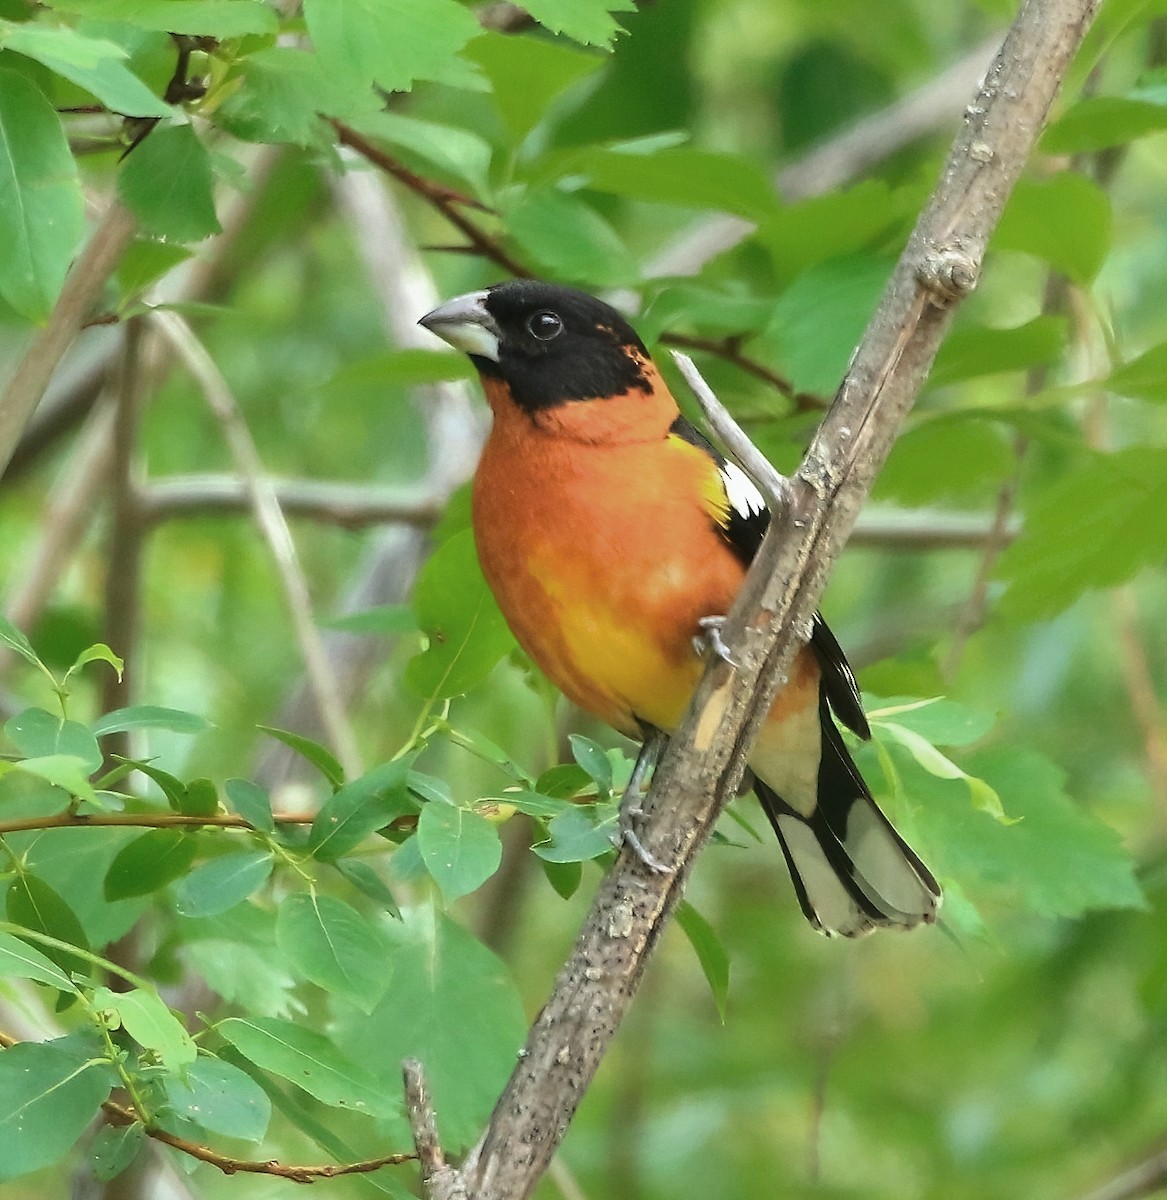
x: 769, y: 621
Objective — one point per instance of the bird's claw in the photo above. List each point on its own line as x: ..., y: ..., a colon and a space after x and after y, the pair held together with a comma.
x: 710, y: 640
x: 628, y: 838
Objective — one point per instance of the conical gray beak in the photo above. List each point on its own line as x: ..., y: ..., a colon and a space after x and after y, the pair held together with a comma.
x: 465, y: 323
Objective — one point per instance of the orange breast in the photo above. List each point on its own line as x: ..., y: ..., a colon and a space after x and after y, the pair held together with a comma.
x: 603, y: 559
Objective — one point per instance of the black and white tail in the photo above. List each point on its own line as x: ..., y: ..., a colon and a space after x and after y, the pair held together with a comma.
x: 852, y: 872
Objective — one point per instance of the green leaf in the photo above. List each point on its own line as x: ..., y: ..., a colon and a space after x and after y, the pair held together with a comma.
x: 527, y: 74
x: 150, y: 716
x: 565, y: 878
x: 42, y: 211
x: 222, y: 1098
x: 390, y: 43
x: 319, y: 756
x: 361, y: 808
x: 214, y: 18
x: 943, y: 722
x: 578, y: 834
x: 460, y: 849
x: 38, y: 734
x: 680, y: 176
x: 1064, y: 220
x: 11, y: 637
x: 98, y: 652
x: 331, y: 944
x: 450, y: 1003
x: 837, y: 225
x: 145, y: 262
x: 62, y: 770
x: 594, y: 761
x: 534, y: 804
x: 145, y: 1017
x: 310, y: 1061
x: 200, y: 798
x: 49, y: 1092
x: 820, y: 318
x: 1058, y: 858
x: 251, y: 802
x: 167, y: 182
x: 567, y: 238
x: 32, y: 903
x: 21, y: 961
x: 448, y: 151
x: 563, y: 781
x: 710, y: 953
x: 282, y: 92
x: 946, y: 458
x: 940, y: 765
x: 366, y: 880
x: 466, y: 632
x: 971, y: 351
x: 172, y: 788
x: 1096, y: 122
x: 1097, y: 527
x: 149, y: 862
x: 92, y: 63
x: 1144, y: 377
x: 114, y: 1148
x: 586, y: 21
x: 222, y: 883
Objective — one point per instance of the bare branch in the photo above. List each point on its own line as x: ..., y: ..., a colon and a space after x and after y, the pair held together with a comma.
x: 82, y: 288
x: 274, y: 528
x: 349, y: 505
x: 439, y: 1180
x: 768, y: 623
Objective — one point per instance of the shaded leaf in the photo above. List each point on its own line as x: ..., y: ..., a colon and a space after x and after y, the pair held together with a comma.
x: 220, y: 1097
x: 361, y: 808
x: 149, y: 862
x: 710, y: 953
x: 166, y: 181
x: 251, y: 802
x: 335, y: 947
x: 145, y: 1017
x: 319, y: 756
x: 150, y: 716
x: 310, y: 1061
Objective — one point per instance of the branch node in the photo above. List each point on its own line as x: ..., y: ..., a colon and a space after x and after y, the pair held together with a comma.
x: 949, y: 272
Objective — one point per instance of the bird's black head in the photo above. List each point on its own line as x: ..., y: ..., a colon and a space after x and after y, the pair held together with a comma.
x: 549, y: 344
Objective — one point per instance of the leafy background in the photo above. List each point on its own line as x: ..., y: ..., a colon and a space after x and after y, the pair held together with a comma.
x: 297, y: 191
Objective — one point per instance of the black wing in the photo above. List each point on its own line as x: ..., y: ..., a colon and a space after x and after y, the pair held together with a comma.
x: 745, y: 524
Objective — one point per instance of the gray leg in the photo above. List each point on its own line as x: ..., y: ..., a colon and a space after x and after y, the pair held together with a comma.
x: 655, y: 741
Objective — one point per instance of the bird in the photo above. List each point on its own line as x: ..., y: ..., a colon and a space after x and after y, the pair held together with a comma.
x: 615, y: 537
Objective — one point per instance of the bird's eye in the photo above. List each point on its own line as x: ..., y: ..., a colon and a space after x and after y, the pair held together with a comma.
x: 544, y: 325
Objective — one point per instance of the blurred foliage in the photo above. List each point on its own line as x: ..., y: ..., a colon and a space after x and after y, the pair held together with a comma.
x: 253, y: 983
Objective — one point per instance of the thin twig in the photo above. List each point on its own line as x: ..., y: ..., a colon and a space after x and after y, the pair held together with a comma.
x: 732, y: 435
x: 118, y: 1114
x: 153, y: 820
x: 83, y: 286
x: 348, y: 505
x: 1148, y: 712
x: 442, y: 198
x: 274, y: 528
x: 730, y: 350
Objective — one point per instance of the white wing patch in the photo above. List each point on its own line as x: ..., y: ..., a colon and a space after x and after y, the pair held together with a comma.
x: 744, y: 498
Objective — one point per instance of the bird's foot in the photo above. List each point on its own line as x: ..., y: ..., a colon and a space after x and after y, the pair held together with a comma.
x: 628, y: 838
x: 709, y: 640
x: 654, y: 742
